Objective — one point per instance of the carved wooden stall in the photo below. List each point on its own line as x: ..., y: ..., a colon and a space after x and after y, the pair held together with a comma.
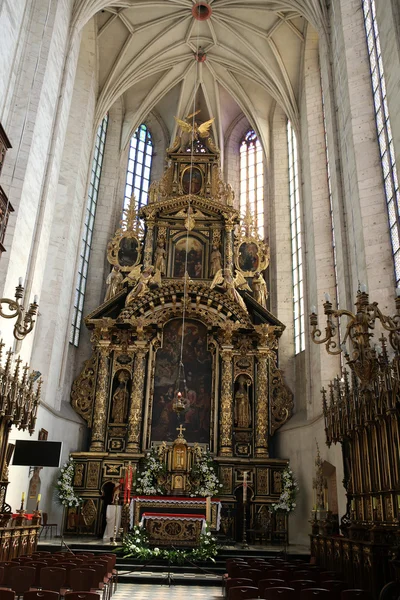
x: 188, y: 255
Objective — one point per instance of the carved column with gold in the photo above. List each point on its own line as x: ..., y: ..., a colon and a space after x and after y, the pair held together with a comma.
x: 100, y: 401
x: 229, y: 225
x: 262, y: 416
x: 226, y: 406
x: 137, y: 399
x: 148, y: 247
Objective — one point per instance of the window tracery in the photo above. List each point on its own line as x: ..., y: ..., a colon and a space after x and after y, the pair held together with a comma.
x: 83, y: 263
x: 138, y: 172
x: 252, y: 178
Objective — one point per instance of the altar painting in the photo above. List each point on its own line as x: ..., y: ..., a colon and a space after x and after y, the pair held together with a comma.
x: 195, y: 258
x: 198, y: 370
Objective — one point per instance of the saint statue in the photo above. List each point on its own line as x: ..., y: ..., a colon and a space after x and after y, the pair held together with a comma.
x: 216, y: 261
x: 260, y: 291
x: 120, y: 399
x: 160, y: 257
x: 242, y: 404
x: 114, y: 283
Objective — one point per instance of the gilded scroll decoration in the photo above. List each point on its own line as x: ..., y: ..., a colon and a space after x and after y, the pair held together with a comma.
x: 262, y: 416
x: 226, y: 408
x: 125, y: 248
x: 281, y: 398
x: 83, y: 390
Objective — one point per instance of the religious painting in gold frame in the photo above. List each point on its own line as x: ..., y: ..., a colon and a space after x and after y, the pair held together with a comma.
x: 192, y: 180
x: 125, y: 248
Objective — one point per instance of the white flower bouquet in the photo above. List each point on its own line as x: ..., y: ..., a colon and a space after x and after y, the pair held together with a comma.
x: 65, y: 490
x: 287, y: 499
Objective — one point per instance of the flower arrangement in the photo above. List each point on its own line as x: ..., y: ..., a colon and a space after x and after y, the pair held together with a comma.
x: 287, y: 499
x: 65, y: 490
x: 148, y: 480
x: 203, y: 476
x: 136, y: 544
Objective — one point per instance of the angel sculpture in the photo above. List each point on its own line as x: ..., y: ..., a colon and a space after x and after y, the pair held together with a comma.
x: 260, y: 291
x: 225, y: 279
x: 142, y: 282
x: 191, y: 131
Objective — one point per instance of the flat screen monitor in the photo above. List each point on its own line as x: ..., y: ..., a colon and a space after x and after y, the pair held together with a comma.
x: 29, y: 453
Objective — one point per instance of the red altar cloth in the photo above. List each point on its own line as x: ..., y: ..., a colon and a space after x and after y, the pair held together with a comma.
x: 27, y: 516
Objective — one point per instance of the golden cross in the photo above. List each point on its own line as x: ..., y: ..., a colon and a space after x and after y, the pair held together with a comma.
x: 181, y: 429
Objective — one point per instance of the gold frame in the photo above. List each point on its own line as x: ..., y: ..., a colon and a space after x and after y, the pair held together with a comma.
x: 188, y: 168
x: 132, y: 229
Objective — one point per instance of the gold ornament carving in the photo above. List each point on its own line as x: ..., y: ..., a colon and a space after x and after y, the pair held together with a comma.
x: 92, y: 479
x: 252, y: 254
x: 262, y: 481
x: 226, y: 406
x: 226, y: 480
x: 262, y: 416
x: 277, y: 482
x: 78, y: 475
x: 89, y: 512
x: 125, y: 248
x: 137, y: 399
x: 281, y: 398
x: 83, y: 388
x: 100, y: 404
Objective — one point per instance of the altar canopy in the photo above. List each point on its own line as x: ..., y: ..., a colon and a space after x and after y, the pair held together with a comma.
x: 183, y: 312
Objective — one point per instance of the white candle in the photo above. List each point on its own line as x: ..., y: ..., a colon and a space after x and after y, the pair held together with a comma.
x: 314, y: 309
x: 20, y: 281
x: 397, y: 292
x: 327, y: 297
x: 208, y: 510
x: 35, y: 299
x: 363, y: 288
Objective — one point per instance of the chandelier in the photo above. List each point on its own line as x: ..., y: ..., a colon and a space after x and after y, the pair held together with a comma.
x: 365, y: 355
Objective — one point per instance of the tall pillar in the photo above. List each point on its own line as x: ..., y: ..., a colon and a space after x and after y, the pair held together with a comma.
x: 226, y: 407
x: 137, y: 399
x: 229, y: 225
x: 262, y: 416
x: 100, y: 401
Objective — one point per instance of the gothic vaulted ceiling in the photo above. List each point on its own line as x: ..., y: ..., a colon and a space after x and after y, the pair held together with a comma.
x: 253, y: 52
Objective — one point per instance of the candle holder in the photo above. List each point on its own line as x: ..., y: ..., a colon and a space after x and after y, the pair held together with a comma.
x: 36, y: 518
x: 25, y: 321
x: 19, y: 521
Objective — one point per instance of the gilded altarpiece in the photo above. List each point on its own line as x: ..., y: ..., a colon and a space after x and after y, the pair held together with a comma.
x: 182, y: 296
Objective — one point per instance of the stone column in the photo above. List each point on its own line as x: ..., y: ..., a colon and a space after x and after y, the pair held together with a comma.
x: 226, y: 406
x: 262, y: 416
x: 100, y: 401
x: 137, y: 400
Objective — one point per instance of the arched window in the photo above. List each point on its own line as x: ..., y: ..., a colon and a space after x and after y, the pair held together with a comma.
x: 384, y: 131
x: 91, y: 205
x: 139, y: 167
x: 297, y: 252
x: 252, y: 178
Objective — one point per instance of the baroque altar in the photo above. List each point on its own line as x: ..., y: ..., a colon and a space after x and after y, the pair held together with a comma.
x: 186, y: 292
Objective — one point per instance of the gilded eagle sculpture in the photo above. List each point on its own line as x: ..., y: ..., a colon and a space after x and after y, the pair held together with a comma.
x: 191, y: 131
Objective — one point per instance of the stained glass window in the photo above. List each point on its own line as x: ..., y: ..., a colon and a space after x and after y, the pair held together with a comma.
x: 83, y: 264
x: 252, y: 179
x: 139, y: 167
x: 296, y: 233
x: 384, y: 131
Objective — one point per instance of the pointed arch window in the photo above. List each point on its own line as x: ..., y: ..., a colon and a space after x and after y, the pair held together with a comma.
x: 91, y: 206
x: 138, y: 173
x: 252, y: 179
x: 384, y: 131
x: 296, y: 237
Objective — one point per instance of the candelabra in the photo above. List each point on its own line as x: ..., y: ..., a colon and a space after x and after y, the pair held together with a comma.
x: 365, y: 357
x: 25, y: 321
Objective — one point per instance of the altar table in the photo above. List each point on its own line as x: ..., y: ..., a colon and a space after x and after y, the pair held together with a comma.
x: 174, y: 505
x: 173, y: 529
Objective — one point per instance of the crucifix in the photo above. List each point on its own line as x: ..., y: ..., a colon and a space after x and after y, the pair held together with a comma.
x: 181, y: 429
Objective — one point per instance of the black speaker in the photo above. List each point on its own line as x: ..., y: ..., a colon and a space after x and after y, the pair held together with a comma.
x: 30, y: 453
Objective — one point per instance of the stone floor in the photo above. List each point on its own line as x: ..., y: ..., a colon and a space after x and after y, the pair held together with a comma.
x: 164, y: 592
